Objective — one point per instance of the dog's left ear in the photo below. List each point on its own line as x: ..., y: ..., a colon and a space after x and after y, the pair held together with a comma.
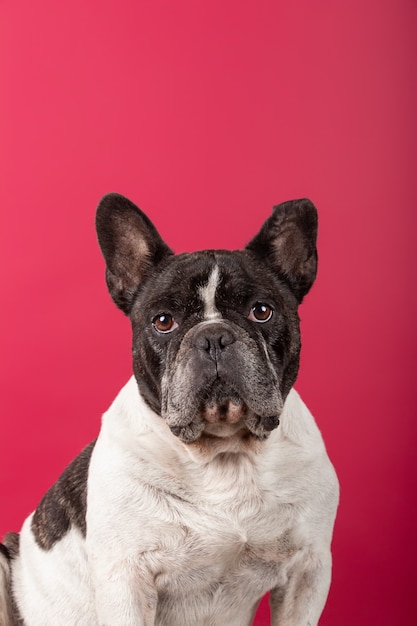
x: 131, y: 247
x: 287, y: 242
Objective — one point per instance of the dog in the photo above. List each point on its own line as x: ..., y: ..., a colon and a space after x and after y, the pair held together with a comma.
x: 209, y: 484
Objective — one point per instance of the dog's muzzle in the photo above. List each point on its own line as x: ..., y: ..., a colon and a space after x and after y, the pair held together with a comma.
x: 221, y: 379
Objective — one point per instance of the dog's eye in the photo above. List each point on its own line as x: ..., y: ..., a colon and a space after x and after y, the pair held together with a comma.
x: 164, y: 323
x: 261, y: 312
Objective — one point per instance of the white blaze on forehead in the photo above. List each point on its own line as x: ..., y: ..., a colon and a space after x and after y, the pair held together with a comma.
x: 208, y: 295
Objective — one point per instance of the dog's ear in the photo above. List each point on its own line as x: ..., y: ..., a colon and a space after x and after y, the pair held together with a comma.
x: 287, y: 242
x: 131, y: 247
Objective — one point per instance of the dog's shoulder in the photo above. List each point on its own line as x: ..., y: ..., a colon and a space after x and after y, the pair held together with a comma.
x: 302, y: 463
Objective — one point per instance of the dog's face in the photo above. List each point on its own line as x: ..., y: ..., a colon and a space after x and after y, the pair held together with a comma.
x: 216, y: 339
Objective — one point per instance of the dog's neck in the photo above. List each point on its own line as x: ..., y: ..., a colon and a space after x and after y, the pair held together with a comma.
x: 131, y: 421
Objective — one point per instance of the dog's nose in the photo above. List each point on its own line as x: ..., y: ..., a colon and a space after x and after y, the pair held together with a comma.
x: 213, y: 340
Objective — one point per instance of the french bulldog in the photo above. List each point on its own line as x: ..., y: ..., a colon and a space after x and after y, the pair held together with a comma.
x: 209, y: 484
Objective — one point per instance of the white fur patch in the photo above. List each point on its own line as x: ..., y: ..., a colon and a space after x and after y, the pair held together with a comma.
x: 208, y: 295
x: 54, y: 586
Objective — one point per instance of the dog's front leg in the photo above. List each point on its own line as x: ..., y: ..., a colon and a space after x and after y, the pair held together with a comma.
x: 124, y: 595
x: 301, y: 601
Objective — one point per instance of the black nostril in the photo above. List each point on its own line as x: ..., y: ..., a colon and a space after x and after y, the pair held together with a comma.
x: 205, y: 344
x: 202, y: 342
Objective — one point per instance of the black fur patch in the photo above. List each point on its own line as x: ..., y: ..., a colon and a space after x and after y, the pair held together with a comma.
x: 5, y: 551
x: 11, y: 545
x: 64, y: 505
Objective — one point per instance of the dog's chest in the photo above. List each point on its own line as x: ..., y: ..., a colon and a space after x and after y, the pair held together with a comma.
x: 224, y: 550
x: 229, y: 530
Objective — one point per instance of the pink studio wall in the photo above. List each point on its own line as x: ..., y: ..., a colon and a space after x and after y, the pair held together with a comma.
x: 206, y: 114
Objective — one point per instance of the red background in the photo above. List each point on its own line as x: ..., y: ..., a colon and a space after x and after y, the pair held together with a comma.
x: 206, y: 114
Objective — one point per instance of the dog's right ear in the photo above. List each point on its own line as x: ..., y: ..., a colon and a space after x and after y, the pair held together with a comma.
x: 131, y: 247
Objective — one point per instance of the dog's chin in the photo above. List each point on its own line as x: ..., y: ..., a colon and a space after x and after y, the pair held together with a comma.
x: 223, y: 431
x: 220, y: 439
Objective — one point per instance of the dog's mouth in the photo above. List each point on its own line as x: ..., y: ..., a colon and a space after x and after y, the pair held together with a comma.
x: 227, y: 411
x: 225, y: 428
x: 214, y: 421
x: 227, y: 419
x: 223, y: 413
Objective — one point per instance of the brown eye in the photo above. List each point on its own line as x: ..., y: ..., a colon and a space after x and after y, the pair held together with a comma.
x: 260, y: 312
x: 164, y: 323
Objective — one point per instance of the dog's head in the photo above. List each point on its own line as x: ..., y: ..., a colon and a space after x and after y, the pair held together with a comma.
x: 216, y: 339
